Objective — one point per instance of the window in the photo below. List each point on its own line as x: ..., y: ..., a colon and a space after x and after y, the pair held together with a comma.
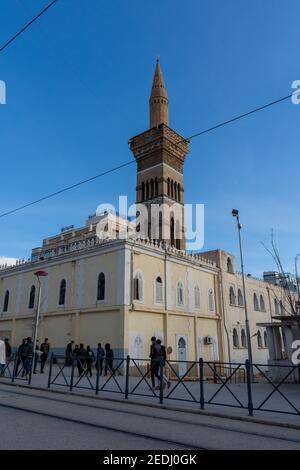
x: 180, y: 297
x: 172, y: 231
x: 158, y: 290
x: 240, y: 298
x: 276, y: 307
x: 178, y: 190
x: 143, y: 191
x: 168, y: 186
x: 6, y: 301
x: 229, y: 265
x: 172, y: 189
x: 281, y: 307
x: 211, y: 300
x: 147, y: 189
x: 62, y: 292
x: 255, y: 302
x: 197, y: 296
x: 138, y: 287
x: 259, y: 339
x: 101, y: 287
x: 265, y: 339
x: 175, y: 190
x: 243, y: 338
x: 231, y: 296
x: 156, y: 186
x: 235, y: 338
x: 31, y: 297
x: 152, y: 187
x: 262, y: 303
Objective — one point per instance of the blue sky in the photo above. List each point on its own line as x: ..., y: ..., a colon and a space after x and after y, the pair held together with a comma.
x: 78, y: 84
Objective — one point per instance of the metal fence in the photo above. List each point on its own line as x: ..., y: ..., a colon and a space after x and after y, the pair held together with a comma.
x: 246, y: 386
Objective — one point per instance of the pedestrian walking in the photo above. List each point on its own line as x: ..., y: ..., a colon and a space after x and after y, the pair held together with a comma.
x: 109, y: 359
x: 90, y: 358
x: 163, y: 358
x: 81, y: 359
x: 45, y: 348
x: 155, y: 357
x: 28, y: 352
x: 2, y: 357
x: 69, y: 353
x: 7, y: 349
x: 100, y: 358
x: 21, y: 356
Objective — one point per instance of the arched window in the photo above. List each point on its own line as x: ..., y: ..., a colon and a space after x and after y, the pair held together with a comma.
x: 168, y: 186
x: 6, y: 301
x: 262, y: 303
x: 231, y: 296
x: 147, y: 189
x: 180, y: 294
x: 235, y: 338
x: 197, y: 296
x: 152, y: 187
x: 62, y: 292
x: 138, y: 287
x: 240, y: 298
x: 31, y: 297
x: 158, y: 290
x: 177, y: 234
x: 265, y: 339
x: 156, y: 187
x: 243, y: 338
x: 211, y: 300
x: 101, y: 287
x: 143, y: 190
x: 178, y: 191
x: 259, y: 340
x: 172, y: 231
x: 229, y: 265
x: 281, y: 307
x: 175, y: 190
x: 255, y: 302
x: 276, y: 307
x: 172, y: 189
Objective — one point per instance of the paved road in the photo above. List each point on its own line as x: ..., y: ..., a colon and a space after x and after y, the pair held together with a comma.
x: 32, y: 419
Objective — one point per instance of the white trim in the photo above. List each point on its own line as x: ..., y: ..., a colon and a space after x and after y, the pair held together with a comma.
x: 161, y: 164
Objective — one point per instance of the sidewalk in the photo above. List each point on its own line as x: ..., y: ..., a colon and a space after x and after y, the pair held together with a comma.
x: 221, y: 401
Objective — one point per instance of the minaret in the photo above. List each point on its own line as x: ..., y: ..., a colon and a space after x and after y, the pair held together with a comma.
x: 160, y: 153
x: 158, y: 100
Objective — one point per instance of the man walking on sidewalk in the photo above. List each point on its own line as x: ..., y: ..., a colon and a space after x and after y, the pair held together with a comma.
x: 45, y: 348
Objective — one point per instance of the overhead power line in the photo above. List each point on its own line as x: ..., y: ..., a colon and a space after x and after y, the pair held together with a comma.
x: 27, y: 26
x: 111, y: 170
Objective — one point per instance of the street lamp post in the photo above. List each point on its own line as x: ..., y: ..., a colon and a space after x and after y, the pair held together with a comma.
x: 235, y: 214
x: 38, y: 274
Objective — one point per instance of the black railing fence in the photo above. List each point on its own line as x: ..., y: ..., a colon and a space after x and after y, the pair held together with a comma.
x: 237, y: 385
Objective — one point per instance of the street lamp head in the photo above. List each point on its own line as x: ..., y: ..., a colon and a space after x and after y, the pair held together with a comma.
x: 235, y: 212
x: 41, y: 273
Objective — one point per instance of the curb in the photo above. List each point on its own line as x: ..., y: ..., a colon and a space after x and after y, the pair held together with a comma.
x: 158, y: 406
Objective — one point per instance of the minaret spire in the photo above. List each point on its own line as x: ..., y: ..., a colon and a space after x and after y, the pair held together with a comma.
x: 158, y: 99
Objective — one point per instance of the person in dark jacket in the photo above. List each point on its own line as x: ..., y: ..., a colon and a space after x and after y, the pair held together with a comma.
x: 81, y: 359
x: 69, y: 352
x: 154, y: 363
x: 90, y: 358
x: 100, y: 358
x: 7, y: 349
x: 45, y: 348
x: 21, y: 356
x: 109, y: 359
x: 28, y: 350
x: 163, y: 358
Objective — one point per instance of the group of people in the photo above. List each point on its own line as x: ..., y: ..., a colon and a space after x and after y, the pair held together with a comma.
x: 86, y: 357
x: 158, y: 358
x: 24, y: 356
